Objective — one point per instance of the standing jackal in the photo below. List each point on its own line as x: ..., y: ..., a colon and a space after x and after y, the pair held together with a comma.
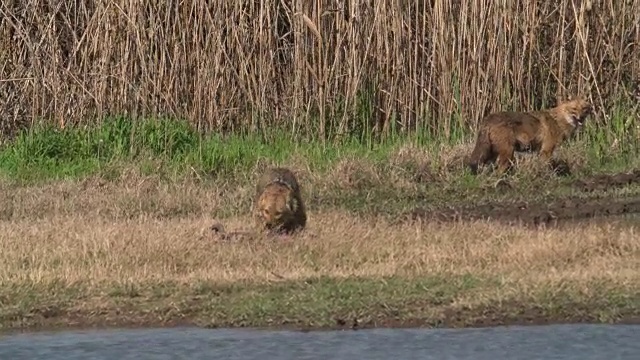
x: 503, y: 133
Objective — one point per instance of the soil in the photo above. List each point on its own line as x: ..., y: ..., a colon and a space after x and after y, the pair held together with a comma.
x: 504, y: 314
x: 605, y: 181
x: 546, y: 213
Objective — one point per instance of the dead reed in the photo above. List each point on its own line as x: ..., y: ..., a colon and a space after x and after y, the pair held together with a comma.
x: 313, y: 66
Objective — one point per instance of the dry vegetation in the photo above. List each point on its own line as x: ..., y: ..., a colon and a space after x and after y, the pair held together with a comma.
x: 320, y: 65
x: 409, y: 176
x: 136, y: 251
x: 92, y: 250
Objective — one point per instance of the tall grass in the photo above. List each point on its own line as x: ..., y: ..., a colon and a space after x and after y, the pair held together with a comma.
x: 320, y: 68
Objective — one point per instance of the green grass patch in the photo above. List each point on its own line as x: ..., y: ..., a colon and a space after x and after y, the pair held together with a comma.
x: 45, y: 152
x: 175, y: 149
x: 462, y: 300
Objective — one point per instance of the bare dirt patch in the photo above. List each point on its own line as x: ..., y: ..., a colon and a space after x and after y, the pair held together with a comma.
x: 534, y: 213
x: 544, y: 212
x: 607, y: 181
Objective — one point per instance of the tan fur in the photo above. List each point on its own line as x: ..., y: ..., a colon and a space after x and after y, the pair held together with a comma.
x: 503, y: 133
x: 278, y: 205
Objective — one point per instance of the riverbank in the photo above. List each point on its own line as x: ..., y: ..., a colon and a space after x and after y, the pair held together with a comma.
x: 99, y: 231
x: 614, y: 307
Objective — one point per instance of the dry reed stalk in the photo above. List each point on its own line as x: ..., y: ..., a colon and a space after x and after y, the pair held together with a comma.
x: 225, y: 65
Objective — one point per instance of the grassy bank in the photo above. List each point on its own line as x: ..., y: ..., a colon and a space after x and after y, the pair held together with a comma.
x: 104, y: 226
x: 175, y: 150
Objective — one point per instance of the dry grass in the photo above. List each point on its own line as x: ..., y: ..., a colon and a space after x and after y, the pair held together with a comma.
x: 412, y: 176
x: 133, y: 249
x: 91, y: 250
x: 72, y: 262
x: 436, y: 65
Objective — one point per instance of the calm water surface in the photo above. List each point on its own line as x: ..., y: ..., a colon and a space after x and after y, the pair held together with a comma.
x: 579, y: 342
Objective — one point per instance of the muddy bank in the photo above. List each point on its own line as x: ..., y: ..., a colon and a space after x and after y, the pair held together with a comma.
x: 607, y: 181
x: 533, y: 213
x: 536, y: 213
x: 506, y: 313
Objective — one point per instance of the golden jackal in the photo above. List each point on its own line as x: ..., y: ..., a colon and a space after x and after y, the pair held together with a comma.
x: 278, y: 204
x: 502, y: 133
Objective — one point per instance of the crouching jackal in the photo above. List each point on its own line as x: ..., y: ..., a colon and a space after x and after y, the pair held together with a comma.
x: 278, y: 205
x: 502, y: 133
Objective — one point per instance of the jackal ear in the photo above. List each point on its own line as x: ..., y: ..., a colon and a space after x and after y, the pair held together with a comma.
x: 580, y: 97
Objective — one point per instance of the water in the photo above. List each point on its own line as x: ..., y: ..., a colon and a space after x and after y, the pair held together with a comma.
x: 580, y: 342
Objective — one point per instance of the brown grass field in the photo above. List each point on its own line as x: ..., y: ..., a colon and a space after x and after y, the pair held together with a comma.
x: 135, y: 251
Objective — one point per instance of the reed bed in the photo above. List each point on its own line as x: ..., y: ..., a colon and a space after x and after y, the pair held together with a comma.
x: 326, y: 68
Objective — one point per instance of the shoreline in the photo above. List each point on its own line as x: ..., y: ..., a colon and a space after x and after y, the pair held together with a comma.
x: 510, y: 313
x: 525, y: 321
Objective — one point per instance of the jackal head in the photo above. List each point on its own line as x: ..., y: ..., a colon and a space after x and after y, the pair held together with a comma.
x: 276, y: 205
x: 575, y: 111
